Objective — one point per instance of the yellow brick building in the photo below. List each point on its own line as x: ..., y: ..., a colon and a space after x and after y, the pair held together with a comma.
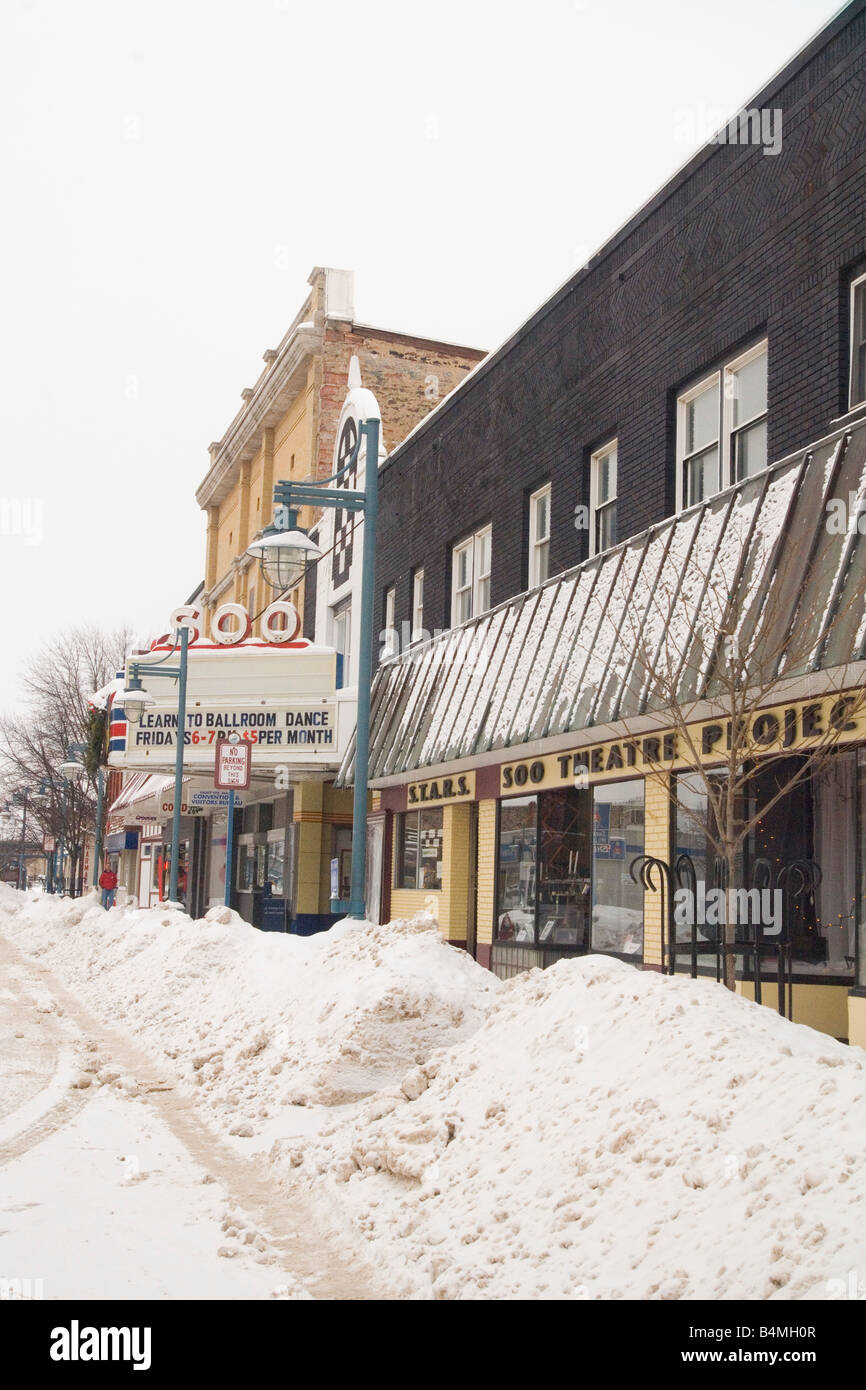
x: 286, y: 430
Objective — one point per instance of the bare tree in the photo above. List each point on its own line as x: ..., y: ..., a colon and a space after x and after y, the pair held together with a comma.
x: 718, y: 642
x: 56, y: 685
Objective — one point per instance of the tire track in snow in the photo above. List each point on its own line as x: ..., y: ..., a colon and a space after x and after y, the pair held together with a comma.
x: 288, y: 1223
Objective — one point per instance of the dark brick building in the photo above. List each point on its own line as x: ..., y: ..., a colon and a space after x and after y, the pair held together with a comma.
x: 742, y: 246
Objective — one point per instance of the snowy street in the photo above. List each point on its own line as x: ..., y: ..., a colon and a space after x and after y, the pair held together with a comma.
x: 111, y: 1186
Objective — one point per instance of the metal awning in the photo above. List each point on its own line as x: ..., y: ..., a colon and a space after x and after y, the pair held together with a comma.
x: 584, y: 649
x: 139, y: 787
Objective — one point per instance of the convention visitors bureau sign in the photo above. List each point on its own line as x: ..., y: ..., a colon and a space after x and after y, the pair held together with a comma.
x: 833, y: 720
x: 276, y: 693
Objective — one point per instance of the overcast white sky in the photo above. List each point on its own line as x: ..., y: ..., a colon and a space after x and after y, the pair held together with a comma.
x: 171, y: 171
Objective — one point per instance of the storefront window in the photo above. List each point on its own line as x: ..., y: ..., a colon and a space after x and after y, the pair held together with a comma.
x: 617, y: 837
x: 277, y: 864
x: 261, y: 865
x: 419, y: 857
x: 861, y: 868
x: 564, y: 868
x: 806, y: 840
x: 246, y: 866
x: 518, y: 847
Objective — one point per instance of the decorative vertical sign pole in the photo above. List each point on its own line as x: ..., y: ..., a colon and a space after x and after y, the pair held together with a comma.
x: 230, y: 835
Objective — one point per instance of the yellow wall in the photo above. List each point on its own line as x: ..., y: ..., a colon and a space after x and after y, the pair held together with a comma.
x: 308, y: 816
x: 822, y: 1007
x: 486, y: 872
x: 318, y: 807
x: 856, y: 1020
x: 657, y: 815
x: 285, y: 451
x: 406, y: 902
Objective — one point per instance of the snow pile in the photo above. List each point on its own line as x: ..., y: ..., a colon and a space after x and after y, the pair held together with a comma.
x: 257, y: 1019
x: 592, y: 1131
x: 615, y: 1134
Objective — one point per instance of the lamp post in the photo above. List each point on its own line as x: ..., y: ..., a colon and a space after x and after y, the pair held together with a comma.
x: 22, y: 798
x: 135, y: 700
x: 72, y: 771
x: 100, y: 805
x: 283, y: 549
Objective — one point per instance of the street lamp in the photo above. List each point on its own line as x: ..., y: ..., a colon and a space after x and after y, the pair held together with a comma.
x: 72, y: 771
x: 284, y: 552
x: 134, y: 702
x: 298, y: 547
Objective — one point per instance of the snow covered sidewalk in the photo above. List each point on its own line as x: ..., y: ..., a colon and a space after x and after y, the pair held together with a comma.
x: 589, y: 1132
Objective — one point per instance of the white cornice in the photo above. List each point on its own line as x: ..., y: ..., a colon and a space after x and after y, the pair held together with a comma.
x: 265, y: 406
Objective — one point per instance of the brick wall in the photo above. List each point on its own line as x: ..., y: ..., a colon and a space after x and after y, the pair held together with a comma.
x: 408, y: 376
x: 738, y: 246
x: 657, y: 835
x: 486, y: 871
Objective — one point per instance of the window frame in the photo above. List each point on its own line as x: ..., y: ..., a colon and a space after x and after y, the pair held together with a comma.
x: 537, y: 543
x: 731, y: 430
x: 595, y: 507
x: 477, y: 578
x: 389, y: 624
x: 684, y: 400
x: 727, y: 431
x: 403, y: 818
x: 858, y: 284
x: 341, y: 614
x: 417, y: 605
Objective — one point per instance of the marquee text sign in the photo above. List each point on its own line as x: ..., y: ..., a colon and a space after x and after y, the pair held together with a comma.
x: 797, y: 726
x: 439, y: 790
x: 293, y: 727
x: 231, y: 624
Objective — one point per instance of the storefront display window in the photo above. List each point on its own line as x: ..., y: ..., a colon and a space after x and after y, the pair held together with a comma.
x: 861, y: 868
x: 276, y: 867
x: 818, y: 824
x: 182, y: 871
x: 617, y: 838
x: 246, y: 866
x: 563, y: 868
x: 518, y: 845
x: 261, y: 871
x: 419, y: 858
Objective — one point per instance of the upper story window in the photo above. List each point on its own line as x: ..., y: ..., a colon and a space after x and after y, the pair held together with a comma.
x: 390, y: 634
x: 857, y: 389
x: 341, y: 633
x: 417, y: 605
x: 470, y: 576
x: 602, y: 498
x: 539, y: 536
x: 722, y: 427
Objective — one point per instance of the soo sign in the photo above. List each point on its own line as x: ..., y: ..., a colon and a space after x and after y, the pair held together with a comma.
x: 231, y: 623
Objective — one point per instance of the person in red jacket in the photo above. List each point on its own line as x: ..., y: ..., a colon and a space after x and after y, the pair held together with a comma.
x: 108, y: 884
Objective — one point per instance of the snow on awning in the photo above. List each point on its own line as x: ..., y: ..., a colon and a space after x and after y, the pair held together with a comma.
x: 140, y: 787
x: 580, y: 651
x: 101, y: 698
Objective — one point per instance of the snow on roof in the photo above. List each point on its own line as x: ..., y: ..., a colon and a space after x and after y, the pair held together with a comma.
x: 585, y: 649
